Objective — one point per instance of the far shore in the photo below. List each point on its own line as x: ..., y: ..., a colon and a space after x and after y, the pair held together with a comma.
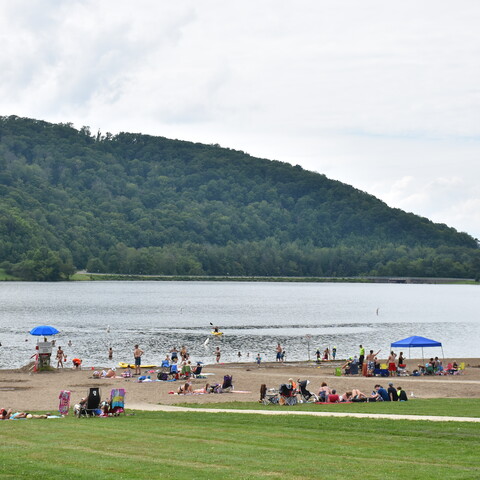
x: 21, y: 389
x: 88, y: 276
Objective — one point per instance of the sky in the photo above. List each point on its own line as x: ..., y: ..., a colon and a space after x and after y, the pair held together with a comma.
x: 383, y: 96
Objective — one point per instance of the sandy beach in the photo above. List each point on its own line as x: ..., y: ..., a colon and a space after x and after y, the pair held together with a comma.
x: 23, y: 390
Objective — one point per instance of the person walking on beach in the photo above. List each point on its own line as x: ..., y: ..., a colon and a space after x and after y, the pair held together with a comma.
x: 137, y: 355
x: 60, y: 355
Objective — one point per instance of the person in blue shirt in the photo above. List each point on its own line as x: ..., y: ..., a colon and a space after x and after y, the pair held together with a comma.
x: 379, y: 394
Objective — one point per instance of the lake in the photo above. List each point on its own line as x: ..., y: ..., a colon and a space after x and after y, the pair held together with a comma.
x: 254, y: 317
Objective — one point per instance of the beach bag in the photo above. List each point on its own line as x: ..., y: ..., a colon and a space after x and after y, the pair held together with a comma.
x: 162, y: 376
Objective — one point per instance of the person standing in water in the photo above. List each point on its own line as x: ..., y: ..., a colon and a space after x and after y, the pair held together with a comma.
x: 137, y: 355
x: 218, y: 353
x: 279, y: 352
x: 110, y: 353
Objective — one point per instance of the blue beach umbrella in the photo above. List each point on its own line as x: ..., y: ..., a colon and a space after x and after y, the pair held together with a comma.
x: 43, y: 331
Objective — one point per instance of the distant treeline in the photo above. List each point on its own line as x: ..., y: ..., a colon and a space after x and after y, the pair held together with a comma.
x: 138, y: 204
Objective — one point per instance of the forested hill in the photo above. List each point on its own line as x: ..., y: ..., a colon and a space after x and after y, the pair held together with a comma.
x: 132, y: 203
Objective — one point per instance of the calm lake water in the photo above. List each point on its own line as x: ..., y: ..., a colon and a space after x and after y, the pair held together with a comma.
x: 254, y: 317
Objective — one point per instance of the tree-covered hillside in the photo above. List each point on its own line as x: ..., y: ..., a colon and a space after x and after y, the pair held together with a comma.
x: 132, y: 203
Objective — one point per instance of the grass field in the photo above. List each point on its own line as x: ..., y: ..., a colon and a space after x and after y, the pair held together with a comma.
x: 192, y: 445
x: 457, y: 407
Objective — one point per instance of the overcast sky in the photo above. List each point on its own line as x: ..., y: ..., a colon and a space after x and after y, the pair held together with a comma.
x: 384, y: 96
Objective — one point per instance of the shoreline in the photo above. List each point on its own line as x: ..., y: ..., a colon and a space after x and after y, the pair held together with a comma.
x: 85, y: 276
x: 27, y: 391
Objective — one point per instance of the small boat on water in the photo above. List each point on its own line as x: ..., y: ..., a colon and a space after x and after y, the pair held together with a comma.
x: 217, y: 333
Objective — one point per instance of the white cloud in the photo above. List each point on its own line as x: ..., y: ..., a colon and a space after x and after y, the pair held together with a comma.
x: 369, y: 92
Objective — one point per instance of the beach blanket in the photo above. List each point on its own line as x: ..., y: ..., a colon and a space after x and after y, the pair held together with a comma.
x: 117, y: 398
x: 334, y: 403
x: 64, y: 405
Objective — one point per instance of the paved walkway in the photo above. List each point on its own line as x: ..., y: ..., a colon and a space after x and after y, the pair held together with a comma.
x: 431, y: 418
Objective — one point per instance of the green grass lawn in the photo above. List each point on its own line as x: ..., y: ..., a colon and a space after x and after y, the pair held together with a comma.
x: 192, y: 445
x: 456, y: 407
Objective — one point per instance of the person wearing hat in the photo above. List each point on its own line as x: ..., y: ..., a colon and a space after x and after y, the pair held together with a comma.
x: 392, y: 393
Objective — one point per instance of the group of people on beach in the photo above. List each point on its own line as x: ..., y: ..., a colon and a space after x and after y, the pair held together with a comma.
x: 379, y: 394
x: 330, y: 395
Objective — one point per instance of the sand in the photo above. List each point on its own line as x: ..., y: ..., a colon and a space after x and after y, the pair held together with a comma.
x: 26, y: 391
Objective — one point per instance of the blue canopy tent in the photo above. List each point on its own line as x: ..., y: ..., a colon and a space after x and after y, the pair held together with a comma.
x: 417, y: 342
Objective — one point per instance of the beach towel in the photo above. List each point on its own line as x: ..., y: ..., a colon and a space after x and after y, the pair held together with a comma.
x: 117, y: 397
x: 64, y: 405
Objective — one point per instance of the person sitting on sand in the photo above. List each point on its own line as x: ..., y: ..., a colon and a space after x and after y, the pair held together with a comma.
x: 187, y: 388
x: 205, y: 389
x: 111, y: 373
x: 347, y: 366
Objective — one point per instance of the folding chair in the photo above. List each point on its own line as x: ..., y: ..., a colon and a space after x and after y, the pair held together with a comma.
x: 93, y: 402
x: 89, y: 406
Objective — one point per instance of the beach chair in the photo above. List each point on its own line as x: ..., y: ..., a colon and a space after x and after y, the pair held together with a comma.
x: 117, y: 401
x: 288, y: 395
x: 93, y: 402
x: 305, y: 395
x: 197, y: 371
x: 353, y: 369
x: 173, y: 371
x: 186, y: 371
x: 271, y: 397
x: 90, y: 406
x: 227, y: 385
